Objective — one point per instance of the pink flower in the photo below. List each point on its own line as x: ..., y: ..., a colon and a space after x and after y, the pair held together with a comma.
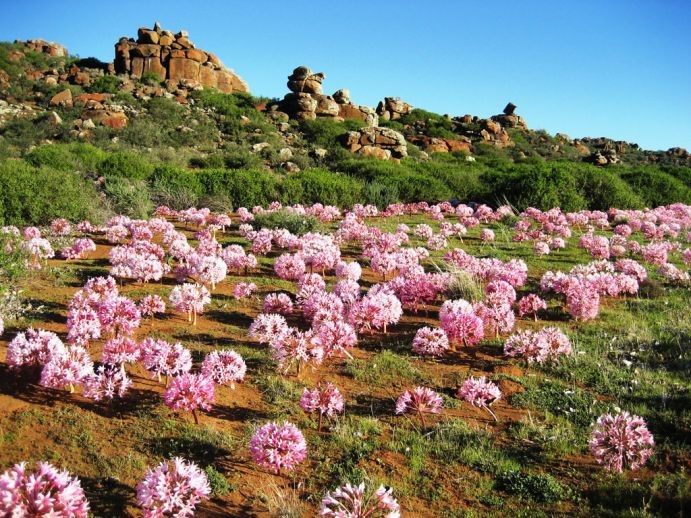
x: 335, y: 336
x: 621, y: 441
x: 278, y: 303
x: 290, y: 267
x: 278, y: 447
x: 541, y: 248
x: 530, y: 305
x: 121, y: 350
x: 243, y: 290
x: 351, y: 271
x: 163, y: 358
x: 68, y: 368
x: 479, y: 392
x: 224, y: 367
x: 420, y: 400
x: 546, y: 345
x: 190, y: 298
x: 376, y: 310
x: 151, y: 305
x: 189, y: 392
x: 47, y: 492
x: 325, y: 399
x: 486, y: 235
x: 267, y: 327
x: 352, y: 502
x: 460, y: 323
x: 34, y: 347
x: 430, y: 341
x: 107, y: 382
x: 172, y: 489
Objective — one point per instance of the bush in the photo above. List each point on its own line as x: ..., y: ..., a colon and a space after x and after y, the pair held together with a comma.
x: 106, y: 84
x: 129, y: 196
x: 242, y: 187
x: 66, y: 157
x: 36, y: 196
x: 321, y: 186
x: 177, y: 188
x: 297, y: 224
x: 127, y: 165
x: 540, y: 487
x: 656, y: 187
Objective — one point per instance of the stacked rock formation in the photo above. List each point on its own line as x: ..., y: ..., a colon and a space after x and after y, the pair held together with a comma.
x: 482, y: 130
x: 306, y: 100
x: 381, y: 143
x: 392, y: 108
x: 509, y: 119
x: 46, y: 47
x: 174, y: 58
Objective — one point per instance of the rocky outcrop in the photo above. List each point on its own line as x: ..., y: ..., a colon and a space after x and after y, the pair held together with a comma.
x: 381, y: 143
x: 509, y: 119
x: 307, y: 102
x: 173, y: 58
x: 489, y: 131
x: 442, y: 145
x: 392, y: 108
x: 49, y: 48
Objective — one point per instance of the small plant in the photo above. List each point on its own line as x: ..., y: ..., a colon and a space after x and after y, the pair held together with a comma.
x: 278, y: 447
x: 47, y: 492
x: 354, y: 501
x: 540, y: 487
x: 295, y: 223
x: 173, y: 488
x: 621, y: 441
x: 218, y: 483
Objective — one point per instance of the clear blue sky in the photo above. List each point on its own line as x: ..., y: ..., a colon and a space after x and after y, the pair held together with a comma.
x: 586, y: 68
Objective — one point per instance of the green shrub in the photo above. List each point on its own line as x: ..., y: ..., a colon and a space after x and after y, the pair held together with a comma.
x: 656, y: 187
x: 219, y: 484
x: 321, y: 186
x: 106, y: 84
x: 603, y: 189
x: 126, y: 164
x: 296, y: 223
x: 177, y: 188
x: 129, y: 196
x: 242, y: 188
x: 379, y: 194
x: 66, y: 157
x: 35, y: 196
x: 540, y: 487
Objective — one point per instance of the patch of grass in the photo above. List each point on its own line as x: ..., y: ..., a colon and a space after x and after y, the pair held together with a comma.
x: 385, y: 369
x: 576, y: 405
x: 219, y: 484
x: 537, y: 487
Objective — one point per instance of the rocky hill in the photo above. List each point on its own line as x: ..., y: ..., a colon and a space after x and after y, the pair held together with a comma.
x: 170, y: 104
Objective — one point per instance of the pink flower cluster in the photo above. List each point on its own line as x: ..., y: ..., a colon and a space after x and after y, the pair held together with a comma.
x: 546, y: 345
x: 420, y: 401
x: 164, y: 359
x: 621, y: 441
x: 189, y: 392
x: 224, y: 367
x: 430, y: 341
x: 78, y: 249
x: 531, y: 304
x: 325, y: 398
x: 107, y: 382
x: 190, y: 298
x: 173, y: 488
x: 47, y: 492
x: 479, y: 392
x: 460, y: 323
x: 349, y: 501
x: 278, y: 447
x: 243, y: 290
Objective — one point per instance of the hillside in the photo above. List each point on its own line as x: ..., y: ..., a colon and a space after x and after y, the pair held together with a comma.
x: 168, y: 123
x: 216, y: 304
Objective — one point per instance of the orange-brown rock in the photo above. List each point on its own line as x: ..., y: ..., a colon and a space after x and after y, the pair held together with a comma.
x: 197, y: 55
x: 63, y: 98
x: 84, y: 98
x: 173, y: 57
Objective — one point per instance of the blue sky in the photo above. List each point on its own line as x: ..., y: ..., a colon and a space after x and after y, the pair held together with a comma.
x: 589, y: 68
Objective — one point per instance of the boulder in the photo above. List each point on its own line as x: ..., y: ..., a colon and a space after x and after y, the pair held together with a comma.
x: 302, y: 80
x: 509, y: 109
x: 173, y: 57
x: 63, y: 98
x: 342, y: 96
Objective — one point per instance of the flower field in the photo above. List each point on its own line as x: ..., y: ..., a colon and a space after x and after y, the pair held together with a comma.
x: 423, y: 360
